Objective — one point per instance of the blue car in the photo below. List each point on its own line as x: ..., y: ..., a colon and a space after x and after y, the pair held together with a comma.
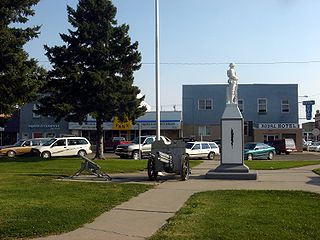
x: 256, y: 150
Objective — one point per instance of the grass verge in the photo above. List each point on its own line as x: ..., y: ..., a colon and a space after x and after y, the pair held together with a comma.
x: 273, y: 165
x: 33, y: 204
x: 246, y: 215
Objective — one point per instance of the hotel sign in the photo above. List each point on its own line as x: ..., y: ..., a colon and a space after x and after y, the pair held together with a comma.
x: 278, y: 125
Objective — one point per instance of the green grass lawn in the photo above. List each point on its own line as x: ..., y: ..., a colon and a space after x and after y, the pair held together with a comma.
x: 33, y: 204
x: 246, y: 215
x: 273, y: 165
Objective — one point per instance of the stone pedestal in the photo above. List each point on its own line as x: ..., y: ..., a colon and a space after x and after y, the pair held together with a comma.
x: 232, y: 161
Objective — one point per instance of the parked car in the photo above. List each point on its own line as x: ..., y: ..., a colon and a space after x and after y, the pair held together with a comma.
x: 285, y: 145
x: 22, y: 147
x: 314, y: 146
x: 132, y: 150
x: 65, y: 146
x: 112, y: 145
x: 256, y: 150
x: 306, y: 144
x: 202, y: 150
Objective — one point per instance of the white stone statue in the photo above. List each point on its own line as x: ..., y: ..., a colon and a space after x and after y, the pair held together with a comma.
x: 233, y: 85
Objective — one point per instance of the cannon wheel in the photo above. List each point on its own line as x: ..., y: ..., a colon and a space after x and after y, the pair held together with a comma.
x: 152, y: 173
x: 185, y: 168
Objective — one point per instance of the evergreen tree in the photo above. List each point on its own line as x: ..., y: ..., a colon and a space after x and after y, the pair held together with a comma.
x: 20, y: 77
x: 93, y: 71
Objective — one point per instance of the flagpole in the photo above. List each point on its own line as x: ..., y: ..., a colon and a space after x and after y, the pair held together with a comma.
x: 157, y: 72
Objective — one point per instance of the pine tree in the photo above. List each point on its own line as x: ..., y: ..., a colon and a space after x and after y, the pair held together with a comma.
x: 93, y: 71
x: 20, y: 77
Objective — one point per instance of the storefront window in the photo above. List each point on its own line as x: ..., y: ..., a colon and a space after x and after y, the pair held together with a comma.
x: 37, y: 135
x: 204, y: 131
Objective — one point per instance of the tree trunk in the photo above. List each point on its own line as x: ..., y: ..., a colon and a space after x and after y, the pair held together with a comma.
x: 99, y: 143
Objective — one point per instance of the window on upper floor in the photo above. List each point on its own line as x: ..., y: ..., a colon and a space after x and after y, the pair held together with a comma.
x: 262, y: 105
x: 34, y: 115
x: 205, y: 104
x: 285, y: 108
x: 241, y: 104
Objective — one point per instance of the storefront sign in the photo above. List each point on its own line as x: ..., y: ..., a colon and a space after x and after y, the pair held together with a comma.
x: 164, y: 125
x: 308, y: 105
x: 145, y: 125
x: 50, y: 126
x: 277, y: 125
x: 121, y: 125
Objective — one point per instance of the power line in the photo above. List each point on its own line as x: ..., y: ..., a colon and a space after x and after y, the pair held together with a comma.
x: 225, y: 63
x: 238, y: 63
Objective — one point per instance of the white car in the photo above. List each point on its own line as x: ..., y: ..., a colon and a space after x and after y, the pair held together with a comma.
x: 314, y: 146
x: 132, y: 150
x: 65, y: 146
x: 202, y: 150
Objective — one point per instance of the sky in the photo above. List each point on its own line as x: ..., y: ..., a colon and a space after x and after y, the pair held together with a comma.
x: 270, y: 41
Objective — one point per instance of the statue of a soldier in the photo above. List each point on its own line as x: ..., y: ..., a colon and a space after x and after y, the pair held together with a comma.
x: 233, y: 84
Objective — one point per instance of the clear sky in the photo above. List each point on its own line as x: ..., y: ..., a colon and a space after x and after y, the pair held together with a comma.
x: 198, y: 38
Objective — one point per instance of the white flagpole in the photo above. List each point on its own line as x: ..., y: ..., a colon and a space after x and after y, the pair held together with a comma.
x: 157, y: 72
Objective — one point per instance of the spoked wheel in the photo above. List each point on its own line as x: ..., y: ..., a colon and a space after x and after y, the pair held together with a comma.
x: 152, y: 173
x: 185, y: 168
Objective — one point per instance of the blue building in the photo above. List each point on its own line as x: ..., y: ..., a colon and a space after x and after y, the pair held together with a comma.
x: 270, y: 111
x: 32, y: 125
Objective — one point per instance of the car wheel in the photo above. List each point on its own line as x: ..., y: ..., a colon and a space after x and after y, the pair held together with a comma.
x: 82, y: 153
x: 11, y: 154
x: 46, y: 155
x: 135, y: 155
x: 250, y: 157
x: 185, y: 168
x: 270, y: 155
x: 211, y: 155
x: 287, y: 153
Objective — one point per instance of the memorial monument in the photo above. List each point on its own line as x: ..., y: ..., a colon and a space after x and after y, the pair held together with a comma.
x: 232, y: 158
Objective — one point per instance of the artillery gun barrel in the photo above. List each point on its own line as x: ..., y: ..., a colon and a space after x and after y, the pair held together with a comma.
x: 163, y: 157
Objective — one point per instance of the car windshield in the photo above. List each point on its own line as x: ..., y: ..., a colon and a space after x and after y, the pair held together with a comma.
x: 136, y: 140
x: 189, y: 145
x: 49, y: 142
x: 250, y: 146
x: 19, y: 143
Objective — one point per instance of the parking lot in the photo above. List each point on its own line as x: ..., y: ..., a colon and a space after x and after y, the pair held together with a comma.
x: 297, y: 156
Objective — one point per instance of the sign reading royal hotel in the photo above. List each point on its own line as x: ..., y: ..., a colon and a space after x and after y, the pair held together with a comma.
x: 278, y: 125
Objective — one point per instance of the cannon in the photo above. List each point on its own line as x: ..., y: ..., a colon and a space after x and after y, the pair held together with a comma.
x: 92, y: 168
x: 168, y: 158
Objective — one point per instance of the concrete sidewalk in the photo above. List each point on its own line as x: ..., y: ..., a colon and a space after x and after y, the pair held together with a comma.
x: 142, y: 216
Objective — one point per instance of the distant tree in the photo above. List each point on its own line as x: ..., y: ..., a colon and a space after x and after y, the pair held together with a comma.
x: 93, y: 72
x: 20, y: 77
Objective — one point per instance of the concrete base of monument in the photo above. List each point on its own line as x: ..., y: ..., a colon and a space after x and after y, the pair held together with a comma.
x: 232, y: 172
